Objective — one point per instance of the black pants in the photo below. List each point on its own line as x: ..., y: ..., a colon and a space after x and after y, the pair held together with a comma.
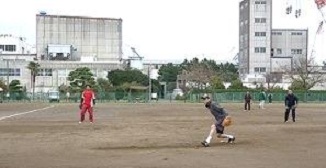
x: 247, y: 104
x: 287, y: 113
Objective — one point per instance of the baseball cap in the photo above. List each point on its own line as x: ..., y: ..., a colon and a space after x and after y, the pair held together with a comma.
x: 205, y: 96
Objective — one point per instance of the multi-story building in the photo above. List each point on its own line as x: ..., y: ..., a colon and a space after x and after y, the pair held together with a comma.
x: 51, y: 75
x: 288, y: 47
x: 60, y: 37
x: 255, y: 36
x: 263, y: 50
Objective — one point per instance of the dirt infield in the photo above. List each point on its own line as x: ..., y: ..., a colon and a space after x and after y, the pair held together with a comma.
x: 159, y: 135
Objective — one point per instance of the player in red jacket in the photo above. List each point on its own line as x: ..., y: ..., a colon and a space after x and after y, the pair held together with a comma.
x: 87, y: 103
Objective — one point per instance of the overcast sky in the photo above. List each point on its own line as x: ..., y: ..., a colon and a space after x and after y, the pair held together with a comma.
x: 166, y: 29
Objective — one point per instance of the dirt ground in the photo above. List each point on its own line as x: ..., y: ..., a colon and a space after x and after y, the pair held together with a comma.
x: 159, y: 135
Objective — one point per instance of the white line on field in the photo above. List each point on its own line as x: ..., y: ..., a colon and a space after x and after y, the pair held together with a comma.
x: 27, y: 112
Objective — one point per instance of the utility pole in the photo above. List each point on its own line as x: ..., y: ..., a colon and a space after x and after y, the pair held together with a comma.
x: 149, y: 84
x: 7, y: 73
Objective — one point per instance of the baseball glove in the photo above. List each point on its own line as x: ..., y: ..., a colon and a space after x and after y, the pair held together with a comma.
x: 227, y: 121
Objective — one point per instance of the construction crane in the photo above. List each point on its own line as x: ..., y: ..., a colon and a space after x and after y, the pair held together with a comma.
x: 236, y: 58
x: 136, y: 55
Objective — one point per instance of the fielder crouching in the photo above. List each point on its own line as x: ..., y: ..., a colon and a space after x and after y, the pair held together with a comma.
x: 222, y: 120
x: 86, y: 104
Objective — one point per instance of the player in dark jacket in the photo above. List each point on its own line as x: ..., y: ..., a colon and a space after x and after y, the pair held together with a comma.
x: 291, y: 102
x: 247, y: 99
x: 219, y: 114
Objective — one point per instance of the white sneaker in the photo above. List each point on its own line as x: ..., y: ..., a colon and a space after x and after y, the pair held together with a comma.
x: 79, y: 122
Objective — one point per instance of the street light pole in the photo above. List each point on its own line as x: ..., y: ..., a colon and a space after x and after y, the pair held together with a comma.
x: 149, y: 84
x: 8, y: 73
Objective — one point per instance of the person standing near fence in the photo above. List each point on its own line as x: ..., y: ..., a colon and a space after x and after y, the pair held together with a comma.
x: 291, y: 102
x: 262, y: 99
x: 270, y: 96
x: 247, y: 99
x: 87, y: 103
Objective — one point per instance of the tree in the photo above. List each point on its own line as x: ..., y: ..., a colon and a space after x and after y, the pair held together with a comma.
x: 236, y: 84
x: 119, y: 77
x: 81, y: 77
x: 34, y: 67
x: 228, y: 72
x: 217, y: 83
x: 63, y: 88
x: 169, y: 72
x: 16, y: 89
x: 199, y: 75
x: 305, y: 74
x: 15, y: 86
x: 104, y: 84
x: 272, y: 79
x: 3, y: 86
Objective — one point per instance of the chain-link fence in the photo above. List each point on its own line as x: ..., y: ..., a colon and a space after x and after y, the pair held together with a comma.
x: 142, y: 97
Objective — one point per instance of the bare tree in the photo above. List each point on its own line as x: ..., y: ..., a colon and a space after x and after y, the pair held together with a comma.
x: 272, y: 79
x: 199, y: 75
x: 304, y: 73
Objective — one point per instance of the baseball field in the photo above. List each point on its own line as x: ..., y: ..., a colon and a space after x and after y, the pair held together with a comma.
x: 159, y: 135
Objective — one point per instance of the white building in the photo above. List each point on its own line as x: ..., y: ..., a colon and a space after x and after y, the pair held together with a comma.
x: 10, y: 44
x: 60, y: 37
x: 288, y: 47
x: 255, y: 36
x: 263, y: 50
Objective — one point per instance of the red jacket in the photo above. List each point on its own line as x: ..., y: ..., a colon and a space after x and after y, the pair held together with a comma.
x: 88, y: 97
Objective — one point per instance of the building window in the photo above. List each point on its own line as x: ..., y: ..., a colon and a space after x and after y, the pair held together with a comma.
x: 9, y: 72
x: 260, y: 6
x: 260, y: 2
x: 45, y: 72
x: 260, y: 49
x: 2, y: 47
x: 296, y: 33
x: 260, y: 20
x: 277, y: 33
x: 279, y: 51
x: 48, y: 72
x: 296, y: 51
x: 10, y: 48
x: 260, y: 34
x: 260, y: 69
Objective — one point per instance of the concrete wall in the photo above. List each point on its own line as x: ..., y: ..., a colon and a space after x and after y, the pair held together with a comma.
x: 100, y: 37
x: 244, y: 22
x: 280, y: 64
x: 284, y: 41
